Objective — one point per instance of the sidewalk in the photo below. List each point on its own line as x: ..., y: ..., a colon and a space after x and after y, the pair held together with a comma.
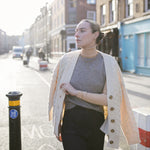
x: 138, y: 88
x: 51, y: 61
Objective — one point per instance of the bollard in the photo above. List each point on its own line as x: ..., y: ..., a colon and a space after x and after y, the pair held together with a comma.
x: 142, y: 116
x: 14, y: 120
x: 43, y: 65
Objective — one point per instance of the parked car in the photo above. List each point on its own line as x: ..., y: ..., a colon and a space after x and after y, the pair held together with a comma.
x: 17, y: 52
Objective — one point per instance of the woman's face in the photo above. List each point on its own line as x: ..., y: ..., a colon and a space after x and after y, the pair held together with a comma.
x: 84, y: 36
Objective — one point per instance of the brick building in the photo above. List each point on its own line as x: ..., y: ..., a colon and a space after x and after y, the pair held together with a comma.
x: 107, y: 12
x: 65, y: 15
x: 126, y: 26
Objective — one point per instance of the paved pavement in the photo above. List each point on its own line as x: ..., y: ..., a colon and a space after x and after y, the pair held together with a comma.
x: 138, y: 88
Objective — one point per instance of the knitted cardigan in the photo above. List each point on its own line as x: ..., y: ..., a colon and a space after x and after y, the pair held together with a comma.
x: 118, y: 112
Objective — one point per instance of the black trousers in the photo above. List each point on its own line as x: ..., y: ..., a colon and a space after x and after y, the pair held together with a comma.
x: 81, y: 129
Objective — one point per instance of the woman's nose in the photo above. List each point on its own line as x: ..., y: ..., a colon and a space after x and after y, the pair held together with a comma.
x: 76, y: 34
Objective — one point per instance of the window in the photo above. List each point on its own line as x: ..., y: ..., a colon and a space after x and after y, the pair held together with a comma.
x: 58, y: 23
x: 58, y: 44
x: 148, y: 49
x: 73, y: 3
x: 54, y: 8
x: 129, y: 8
x: 103, y: 13
x: 55, y: 23
x: 112, y: 11
x: 55, y: 44
x: 140, y: 50
x: 91, y: 1
x: 72, y: 45
x: 143, y: 56
x: 58, y: 4
x: 62, y: 18
x: 72, y: 17
x: 72, y: 14
x: 147, y: 5
x: 91, y: 15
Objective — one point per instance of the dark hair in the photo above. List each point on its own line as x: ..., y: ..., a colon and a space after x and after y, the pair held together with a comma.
x: 95, y: 27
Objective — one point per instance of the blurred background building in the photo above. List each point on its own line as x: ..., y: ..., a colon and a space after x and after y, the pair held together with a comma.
x: 3, y: 41
x: 7, y: 42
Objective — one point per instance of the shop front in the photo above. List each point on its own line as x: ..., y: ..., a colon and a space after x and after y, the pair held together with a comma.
x: 134, y: 46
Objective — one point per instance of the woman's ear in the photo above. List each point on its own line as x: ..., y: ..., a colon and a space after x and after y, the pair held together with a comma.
x: 96, y: 34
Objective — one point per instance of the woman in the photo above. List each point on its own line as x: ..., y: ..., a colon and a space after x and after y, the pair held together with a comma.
x: 83, y: 84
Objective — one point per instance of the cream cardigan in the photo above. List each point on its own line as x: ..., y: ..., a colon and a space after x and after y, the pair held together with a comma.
x: 120, y: 116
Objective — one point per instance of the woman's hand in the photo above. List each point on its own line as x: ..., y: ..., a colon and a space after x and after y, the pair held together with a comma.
x: 59, y: 138
x: 68, y: 89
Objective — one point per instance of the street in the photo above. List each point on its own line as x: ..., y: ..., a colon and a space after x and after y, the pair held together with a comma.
x: 36, y: 130
x: 37, y: 133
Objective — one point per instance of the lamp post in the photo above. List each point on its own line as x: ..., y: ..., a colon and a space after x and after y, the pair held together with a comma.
x: 46, y: 15
x: 63, y: 33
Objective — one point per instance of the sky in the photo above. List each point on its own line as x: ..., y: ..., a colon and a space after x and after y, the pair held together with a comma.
x: 18, y: 15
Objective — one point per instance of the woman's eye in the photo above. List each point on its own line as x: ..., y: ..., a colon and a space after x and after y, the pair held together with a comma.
x: 82, y: 30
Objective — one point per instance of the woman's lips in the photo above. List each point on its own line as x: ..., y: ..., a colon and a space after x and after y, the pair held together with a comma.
x: 77, y: 40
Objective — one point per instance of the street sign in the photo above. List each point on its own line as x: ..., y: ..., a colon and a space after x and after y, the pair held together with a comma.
x: 13, y: 113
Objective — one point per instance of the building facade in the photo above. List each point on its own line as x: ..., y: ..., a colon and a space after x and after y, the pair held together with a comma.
x: 107, y: 16
x: 135, y: 37
x: 126, y: 26
x: 36, y: 36
x: 65, y: 15
x: 54, y: 29
x: 7, y: 42
x: 3, y: 42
